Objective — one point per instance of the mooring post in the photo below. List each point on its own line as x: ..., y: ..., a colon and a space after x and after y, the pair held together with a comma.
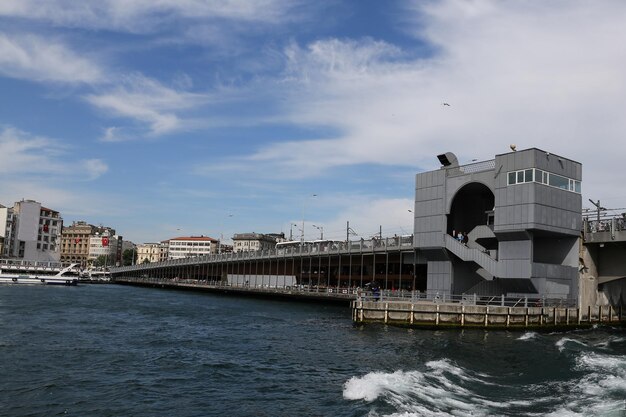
x: 526, y: 317
x: 486, y: 316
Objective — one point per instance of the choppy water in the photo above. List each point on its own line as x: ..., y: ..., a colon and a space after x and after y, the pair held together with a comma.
x: 122, y: 351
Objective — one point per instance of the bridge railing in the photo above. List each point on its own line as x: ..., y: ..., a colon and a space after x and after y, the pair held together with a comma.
x: 310, y: 248
x: 466, y: 299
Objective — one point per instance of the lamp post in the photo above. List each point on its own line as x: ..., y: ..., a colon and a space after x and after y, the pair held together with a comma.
x: 349, y: 231
x: 321, y: 229
x: 303, y: 211
x: 219, y: 243
x: 291, y: 226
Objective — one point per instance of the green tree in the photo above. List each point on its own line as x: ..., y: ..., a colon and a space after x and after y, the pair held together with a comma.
x: 101, y: 261
x: 127, y: 257
x: 146, y: 261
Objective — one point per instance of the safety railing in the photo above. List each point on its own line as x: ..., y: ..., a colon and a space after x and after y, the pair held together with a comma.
x: 466, y: 299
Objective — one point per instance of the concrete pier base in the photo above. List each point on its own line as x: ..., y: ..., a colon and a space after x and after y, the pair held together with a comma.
x: 429, y: 315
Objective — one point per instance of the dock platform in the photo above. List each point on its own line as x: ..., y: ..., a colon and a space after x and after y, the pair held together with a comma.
x: 429, y: 314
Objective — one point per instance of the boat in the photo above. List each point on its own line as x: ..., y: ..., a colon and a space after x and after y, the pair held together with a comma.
x: 61, y: 278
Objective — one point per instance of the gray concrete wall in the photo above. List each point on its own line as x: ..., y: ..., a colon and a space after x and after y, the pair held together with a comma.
x: 536, y: 206
x: 439, y: 277
x: 429, y: 214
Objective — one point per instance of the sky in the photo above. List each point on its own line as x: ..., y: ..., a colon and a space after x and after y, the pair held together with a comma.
x: 164, y: 118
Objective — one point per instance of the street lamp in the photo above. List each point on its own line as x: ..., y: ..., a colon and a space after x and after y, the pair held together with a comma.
x: 291, y: 226
x: 303, y: 210
x: 321, y: 229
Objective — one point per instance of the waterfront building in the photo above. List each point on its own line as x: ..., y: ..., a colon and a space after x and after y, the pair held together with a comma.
x: 152, y: 252
x: 6, y: 230
x: 75, y: 242
x: 30, y: 231
x: 510, y: 225
x: 250, y: 242
x: 191, y: 246
x: 106, y: 244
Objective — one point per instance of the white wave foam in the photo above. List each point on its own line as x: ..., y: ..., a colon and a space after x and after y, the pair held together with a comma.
x: 372, y: 385
x: 527, y: 336
x: 564, y: 340
x: 444, y: 389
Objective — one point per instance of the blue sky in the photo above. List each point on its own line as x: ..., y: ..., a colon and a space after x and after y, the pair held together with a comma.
x: 177, y: 117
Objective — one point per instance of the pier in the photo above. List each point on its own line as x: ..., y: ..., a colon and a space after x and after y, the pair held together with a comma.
x: 476, y: 312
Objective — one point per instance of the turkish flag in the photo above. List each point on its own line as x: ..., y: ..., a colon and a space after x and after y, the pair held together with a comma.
x: 105, y: 241
x: 77, y: 240
x: 45, y: 228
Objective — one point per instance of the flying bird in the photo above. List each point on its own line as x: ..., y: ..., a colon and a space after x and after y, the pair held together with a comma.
x: 446, y: 104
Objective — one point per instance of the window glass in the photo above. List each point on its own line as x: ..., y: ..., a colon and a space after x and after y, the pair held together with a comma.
x: 545, y: 178
x: 511, y: 178
x: 577, y: 186
x: 520, y: 177
x: 528, y: 175
x: 558, y: 181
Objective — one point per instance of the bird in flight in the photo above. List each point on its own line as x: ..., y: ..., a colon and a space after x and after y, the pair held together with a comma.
x: 446, y: 104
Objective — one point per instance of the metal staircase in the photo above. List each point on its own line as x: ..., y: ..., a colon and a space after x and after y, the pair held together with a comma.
x: 488, y: 265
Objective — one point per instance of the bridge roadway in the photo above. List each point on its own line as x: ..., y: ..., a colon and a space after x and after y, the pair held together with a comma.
x: 323, y: 265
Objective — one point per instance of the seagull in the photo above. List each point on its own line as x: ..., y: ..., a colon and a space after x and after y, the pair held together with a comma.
x: 446, y: 104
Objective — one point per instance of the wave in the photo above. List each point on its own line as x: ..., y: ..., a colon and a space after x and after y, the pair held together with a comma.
x: 527, y: 336
x: 595, y: 385
x: 561, y: 343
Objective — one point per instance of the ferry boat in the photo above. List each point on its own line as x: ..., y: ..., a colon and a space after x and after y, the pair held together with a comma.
x: 61, y: 278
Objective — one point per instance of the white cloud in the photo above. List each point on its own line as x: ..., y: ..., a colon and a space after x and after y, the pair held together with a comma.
x: 35, y: 58
x: 546, y: 75
x: 69, y: 202
x: 94, y: 168
x: 144, y: 15
x: 23, y: 155
x: 366, y: 214
x: 146, y: 101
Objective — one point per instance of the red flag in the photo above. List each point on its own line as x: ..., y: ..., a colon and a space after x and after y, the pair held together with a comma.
x: 105, y: 241
x: 45, y: 228
x: 77, y: 240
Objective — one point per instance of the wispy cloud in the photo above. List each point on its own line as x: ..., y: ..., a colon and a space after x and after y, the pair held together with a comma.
x: 47, y: 60
x: 146, y: 101
x: 23, y: 155
x: 534, y: 75
x: 144, y: 15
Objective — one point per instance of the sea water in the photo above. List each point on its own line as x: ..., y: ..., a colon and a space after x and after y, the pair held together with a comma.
x: 107, y: 350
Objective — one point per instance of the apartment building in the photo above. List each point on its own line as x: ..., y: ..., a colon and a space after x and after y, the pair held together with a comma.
x: 30, y: 231
x: 190, y: 246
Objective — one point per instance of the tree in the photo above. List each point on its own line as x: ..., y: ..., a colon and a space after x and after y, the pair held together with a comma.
x: 100, y: 261
x: 146, y: 261
x: 127, y: 257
